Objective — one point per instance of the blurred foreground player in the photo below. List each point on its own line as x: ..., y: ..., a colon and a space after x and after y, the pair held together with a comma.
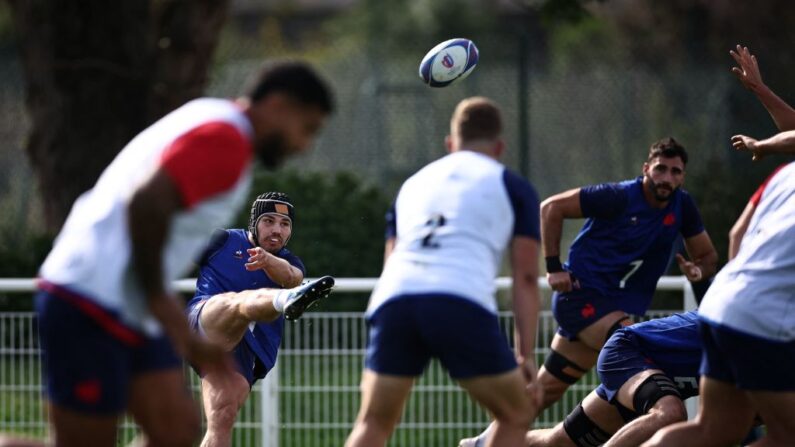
x: 111, y: 329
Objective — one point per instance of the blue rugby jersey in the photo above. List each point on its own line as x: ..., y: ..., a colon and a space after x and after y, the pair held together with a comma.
x: 222, y: 269
x: 624, y: 247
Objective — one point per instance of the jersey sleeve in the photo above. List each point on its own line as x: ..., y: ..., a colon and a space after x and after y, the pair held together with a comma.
x: 217, y: 240
x: 524, y: 201
x: 206, y: 161
x: 391, y: 223
x: 603, y: 201
x: 691, y: 218
x: 759, y: 191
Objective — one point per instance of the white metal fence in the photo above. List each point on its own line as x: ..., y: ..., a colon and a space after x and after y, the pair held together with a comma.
x: 311, y: 398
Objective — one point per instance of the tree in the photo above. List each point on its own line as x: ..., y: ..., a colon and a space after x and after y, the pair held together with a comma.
x: 98, y: 72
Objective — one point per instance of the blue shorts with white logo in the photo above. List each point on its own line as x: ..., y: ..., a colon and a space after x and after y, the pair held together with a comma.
x: 752, y: 363
x: 86, y: 368
x: 406, y: 332
x: 578, y: 309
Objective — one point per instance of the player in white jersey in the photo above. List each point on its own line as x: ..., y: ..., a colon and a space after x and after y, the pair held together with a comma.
x: 111, y: 328
x: 450, y: 225
x: 748, y: 324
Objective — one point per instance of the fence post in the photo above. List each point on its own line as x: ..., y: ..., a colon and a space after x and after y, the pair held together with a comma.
x: 269, y: 404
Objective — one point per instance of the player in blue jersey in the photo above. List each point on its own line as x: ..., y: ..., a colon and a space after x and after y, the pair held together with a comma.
x: 617, y: 258
x: 647, y: 370
x: 449, y: 228
x: 239, y: 303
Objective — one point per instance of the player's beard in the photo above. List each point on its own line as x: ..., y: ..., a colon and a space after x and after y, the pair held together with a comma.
x: 272, y: 151
x: 655, y: 189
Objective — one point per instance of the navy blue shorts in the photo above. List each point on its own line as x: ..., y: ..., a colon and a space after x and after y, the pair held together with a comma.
x: 246, y: 361
x: 619, y: 360
x: 578, y: 309
x: 86, y: 369
x: 752, y: 363
x: 406, y: 332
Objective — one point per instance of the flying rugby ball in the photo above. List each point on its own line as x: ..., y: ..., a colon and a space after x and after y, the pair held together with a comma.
x: 449, y: 62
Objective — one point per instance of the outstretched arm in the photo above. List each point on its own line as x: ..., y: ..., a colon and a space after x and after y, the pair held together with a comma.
x: 277, y: 269
x: 554, y: 210
x: 783, y: 142
x: 747, y: 71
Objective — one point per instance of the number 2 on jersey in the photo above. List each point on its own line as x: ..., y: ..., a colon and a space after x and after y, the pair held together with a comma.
x: 436, y: 221
x: 635, y: 266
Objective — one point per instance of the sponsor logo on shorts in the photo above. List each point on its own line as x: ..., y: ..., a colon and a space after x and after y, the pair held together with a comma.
x: 88, y: 391
x: 588, y: 311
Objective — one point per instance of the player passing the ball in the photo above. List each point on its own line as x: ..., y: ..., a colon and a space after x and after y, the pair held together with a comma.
x: 448, y: 229
x: 112, y: 330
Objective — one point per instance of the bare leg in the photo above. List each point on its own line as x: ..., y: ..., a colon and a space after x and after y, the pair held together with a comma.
x: 225, y: 317
x: 73, y: 429
x: 583, y: 352
x: 223, y: 395
x: 506, y: 398
x: 776, y: 409
x: 724, y: 417
x: 162, y: 405
x: 8, y: 441
x: 383, y: 398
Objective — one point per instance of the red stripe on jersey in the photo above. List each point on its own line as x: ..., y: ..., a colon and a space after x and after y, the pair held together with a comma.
x: 206, y: 161
x: 104, y: 318
x: 758, y: 194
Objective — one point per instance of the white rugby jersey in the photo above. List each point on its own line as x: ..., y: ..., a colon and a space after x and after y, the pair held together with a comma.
x: 205, y: 147
x: 453, y: 220
x: 755, y: 292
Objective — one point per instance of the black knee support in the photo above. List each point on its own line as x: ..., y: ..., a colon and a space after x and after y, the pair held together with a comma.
x: 653, y: 389
x: 616, y: 327
x: 556, y: 362
x: 582, y: 430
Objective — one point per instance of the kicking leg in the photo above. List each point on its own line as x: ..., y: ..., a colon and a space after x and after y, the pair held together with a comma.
x: 224, y: 318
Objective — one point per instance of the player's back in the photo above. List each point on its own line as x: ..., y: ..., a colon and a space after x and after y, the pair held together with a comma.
x: 453, y: 221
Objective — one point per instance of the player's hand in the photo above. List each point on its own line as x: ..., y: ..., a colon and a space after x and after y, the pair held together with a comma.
x: 258, y: 259
x: 208, y: 356
x: 747, y: 70
x: 689, y: 269
x: 530, y: 373
x: 560, y: 281
x: 744, y: 143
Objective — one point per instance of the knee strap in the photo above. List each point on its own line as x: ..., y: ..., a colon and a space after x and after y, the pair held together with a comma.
x: 653, y: 389
x: 556, y: 363
x: 582, y: 430
x: 616, y: 327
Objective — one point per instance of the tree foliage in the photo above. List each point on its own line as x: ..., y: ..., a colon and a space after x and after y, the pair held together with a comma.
x: 98, y: 72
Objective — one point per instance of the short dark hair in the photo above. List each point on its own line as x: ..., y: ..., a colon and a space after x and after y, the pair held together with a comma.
x: 294, y: 78
x: 668, y: 148
x: 476, y: 118
x: 268, y: 203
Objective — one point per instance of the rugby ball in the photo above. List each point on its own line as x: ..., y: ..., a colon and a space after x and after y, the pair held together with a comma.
x: 449, y: 62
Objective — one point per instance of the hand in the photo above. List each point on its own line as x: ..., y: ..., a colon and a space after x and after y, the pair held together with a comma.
x: 560, y: 281
x: 748, y: 70
x: 690, y: 269
x: 258, y: 259
x: 530, y: 373
x: 208, y: 356
x: 744, y: 143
